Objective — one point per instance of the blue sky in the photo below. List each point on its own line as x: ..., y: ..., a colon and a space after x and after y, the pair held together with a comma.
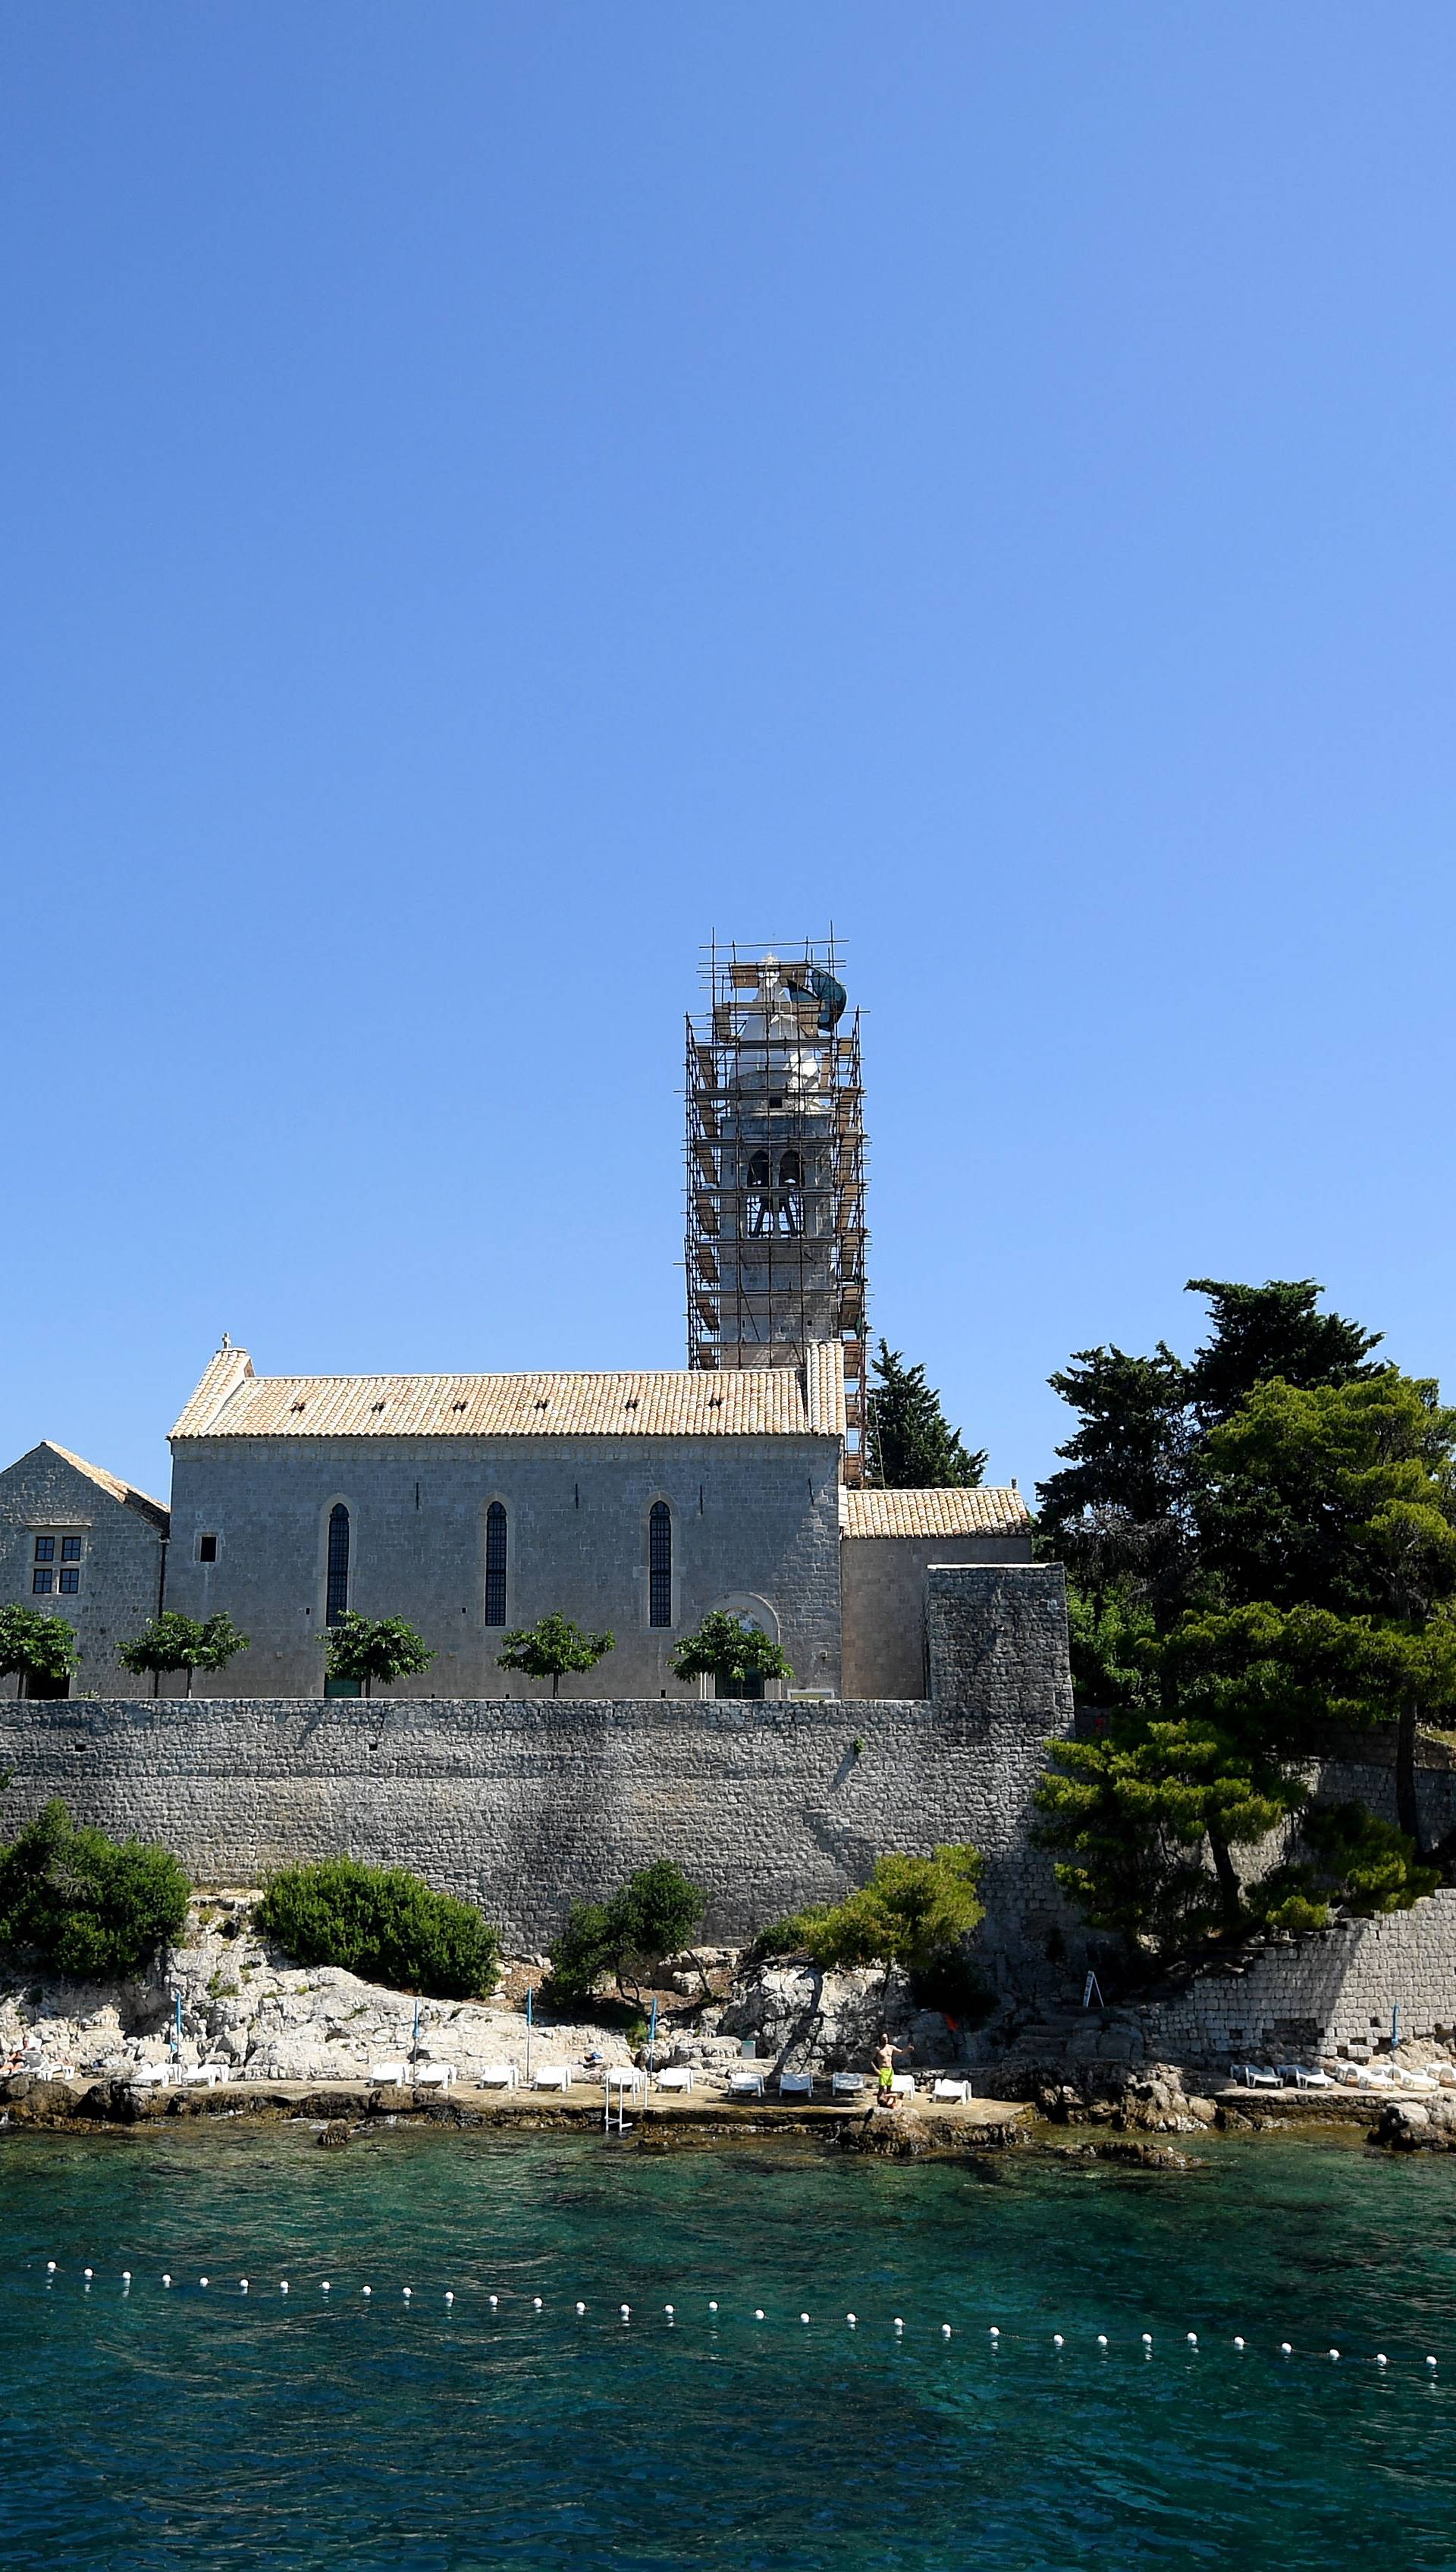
x: 496, y: 492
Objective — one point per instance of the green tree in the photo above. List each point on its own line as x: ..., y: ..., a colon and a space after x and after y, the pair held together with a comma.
x: 1273, y: 1330
x: 1355, y: 1859
x: 1117, y: 1513
x: 87, y: 1904
x: 913, y: 1912
x: 37, y: 1650
x: 912, y: 1446
x: 727, y: 1649
x: 655, y: 1913
x: 173, y: 1643
x: 382, y: 1923
x: 548, y: 1649
x: 367, y: 1648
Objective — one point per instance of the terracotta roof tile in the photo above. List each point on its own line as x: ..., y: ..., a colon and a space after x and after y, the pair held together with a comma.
x: 127, y: 1492
x: 233, y: 1402
x: 986, y: 1510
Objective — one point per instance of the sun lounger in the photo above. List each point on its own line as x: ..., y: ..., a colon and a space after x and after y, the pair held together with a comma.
x: 204, y: 2076
x: 625, y: 2076
x: 957, y: 2090
x: 847, y: 2085
x: 393, y: 2074
x: 1297, y: 2076
x: 795, y: 2084
x: 903, y: 2083
x: 497, y: 2075
x: 679, y: 2075
x: 746, y: 2085
x: 149, y: 2075
x: 1414, y: 2080
x: 552, y: 2075
x: 1256, y: 2075
x: 434, y: 2075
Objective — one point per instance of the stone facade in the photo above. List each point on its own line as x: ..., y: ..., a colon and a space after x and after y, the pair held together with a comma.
x: 882, y: 1603
x: 755, y: 1524
x: 118, y: 1538
x: 525, y: 1806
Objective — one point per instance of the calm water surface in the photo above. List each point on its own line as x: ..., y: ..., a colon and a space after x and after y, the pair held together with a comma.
x: 199, y: 2427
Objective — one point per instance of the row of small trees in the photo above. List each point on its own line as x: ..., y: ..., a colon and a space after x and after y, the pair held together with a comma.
x: 42, y: 1650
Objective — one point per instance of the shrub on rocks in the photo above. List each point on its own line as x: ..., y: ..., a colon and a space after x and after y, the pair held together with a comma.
x: 87, y: 1904
x: 384, y: 1924
x: 914, y: 1912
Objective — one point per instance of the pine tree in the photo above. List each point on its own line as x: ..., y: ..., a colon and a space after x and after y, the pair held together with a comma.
x: 912, y: 1446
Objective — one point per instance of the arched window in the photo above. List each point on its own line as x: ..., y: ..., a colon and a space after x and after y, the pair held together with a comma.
x: 495, y: 1564
x: 659, y: 1564
x: 337, y: 1597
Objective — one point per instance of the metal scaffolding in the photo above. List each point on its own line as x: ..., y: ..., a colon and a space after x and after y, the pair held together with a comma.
x: 777, y: 1167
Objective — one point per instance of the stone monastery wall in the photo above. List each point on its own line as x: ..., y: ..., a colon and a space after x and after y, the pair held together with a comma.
x: 525, y: 1806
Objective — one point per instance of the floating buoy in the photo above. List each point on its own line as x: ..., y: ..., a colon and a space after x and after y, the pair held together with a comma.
x: 580, y: 2308
x: 804, y: 2317
x: 282, y: 2286
x: 50, y: 2268
x: 449, y: 2295
x: 367, y: 2290
x: 327, y: 2286
x: 406, y: 2292
x: 993, y: 2332
x: 899, y: 2325
x: 945, y: 2330
x: 126, y: 2277
x: 242, y: 2281
x: 1284, y: 2349
x: 88, y: 2274
x: 202, y: 2281
x: 623, y: 2309
x: 713, y: 2303
x: 1334, y: 2353
x: 851, y: 2320
x: 494, y: 2300
x: 1147, y: 2339
x: 1057, y: 2340
x: 1102, y: 2339
x: 1380, y: 2357
x: 536, y: 2303
x: 758, y: 2312
x: 1193, y: 2339
x: 1430, y: 2361
x: 166, y: 2279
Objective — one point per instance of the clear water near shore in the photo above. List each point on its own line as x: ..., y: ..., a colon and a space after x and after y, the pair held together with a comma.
x: 199, y: 2427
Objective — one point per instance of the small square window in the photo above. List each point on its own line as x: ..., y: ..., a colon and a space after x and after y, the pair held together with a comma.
x: 45, y: 1549
x: 41, y: 1582
x: 70, y: 1581
x: 207, y: 1549
x: 70, y: 1548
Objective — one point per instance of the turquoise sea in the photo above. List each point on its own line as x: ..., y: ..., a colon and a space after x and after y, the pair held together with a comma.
x: 201, y: 2426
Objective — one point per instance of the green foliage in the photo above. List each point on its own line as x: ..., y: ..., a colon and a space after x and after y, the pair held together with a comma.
x: 1261, y: 1332
x: 384, y: 1924
x: 173, y: 1643
x: 551, y: 1647
x: 1114, y: 1645
x: 914, y: 1911
x: 1356, y: 1861
x: 376, y: 1647
x: 731, y: 1651
x: 35, y: 1648
x: 912, y: 1445
x: 656, y: 1913
x: 87, y: 1904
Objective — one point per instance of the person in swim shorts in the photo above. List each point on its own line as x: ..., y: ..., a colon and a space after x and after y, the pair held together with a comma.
x: 884, y: 2065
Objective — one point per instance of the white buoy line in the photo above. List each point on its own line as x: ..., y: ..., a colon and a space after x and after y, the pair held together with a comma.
x: 996, y: 2338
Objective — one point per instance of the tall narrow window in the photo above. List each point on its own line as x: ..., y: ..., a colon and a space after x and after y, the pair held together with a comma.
x: 495, y: 1564
x: 337, y: 1597
x: 659, y: 1564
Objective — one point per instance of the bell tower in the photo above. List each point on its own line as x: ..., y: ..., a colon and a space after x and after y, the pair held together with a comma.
x: 776, y: 1168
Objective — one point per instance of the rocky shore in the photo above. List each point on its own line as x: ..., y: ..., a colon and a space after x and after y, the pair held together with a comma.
x: 236, y: 2029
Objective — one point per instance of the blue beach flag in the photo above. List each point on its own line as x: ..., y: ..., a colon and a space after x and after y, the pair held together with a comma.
x: 530, y: 2023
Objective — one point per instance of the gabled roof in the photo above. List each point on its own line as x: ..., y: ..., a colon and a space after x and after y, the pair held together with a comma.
x: 985, y: 1509
x: 748, y: 1402
x: 156, y: 1511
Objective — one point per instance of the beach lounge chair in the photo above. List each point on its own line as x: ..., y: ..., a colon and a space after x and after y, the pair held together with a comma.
x: 746, y: 2085
x: 393, y: 2074
x: 434, y: 2075
x: 625, y: 2076
x: 903, y: 2083
x: 959, y: 2090
x: 552, y: 2075
x: 1297, y: 2076
x: 204, y: 2076
x: 679, y: 2075
x: 497, y: 2075
x: 795, y: 2084
x: 1414, y: 2080
x: 149, y: 2075
x: 1256, y: 2075
x: 847, y: 2085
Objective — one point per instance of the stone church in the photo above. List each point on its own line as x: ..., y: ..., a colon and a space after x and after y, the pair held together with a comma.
x: 633, y: 1503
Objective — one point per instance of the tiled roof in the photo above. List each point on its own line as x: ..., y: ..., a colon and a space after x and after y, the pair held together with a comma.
x: 127, y: 1492
x: 987, y: 1510
x: 748, y: 1402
